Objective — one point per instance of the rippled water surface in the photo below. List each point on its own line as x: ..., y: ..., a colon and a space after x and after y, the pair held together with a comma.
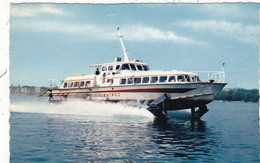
x: 82, y: 132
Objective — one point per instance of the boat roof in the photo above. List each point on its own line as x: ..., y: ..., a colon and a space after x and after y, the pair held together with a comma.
x: 156, y: 73
x: 86, y: 77
x: 118, y: 63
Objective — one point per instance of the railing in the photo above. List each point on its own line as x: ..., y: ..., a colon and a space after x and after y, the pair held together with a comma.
x: 217, y: 76
x: 53, y: 83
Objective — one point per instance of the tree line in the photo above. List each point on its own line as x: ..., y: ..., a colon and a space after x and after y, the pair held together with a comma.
x: 239, y: 95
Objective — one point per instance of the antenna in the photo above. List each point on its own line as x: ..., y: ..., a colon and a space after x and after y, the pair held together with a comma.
x: 223, y: 72
x: 122, y: 44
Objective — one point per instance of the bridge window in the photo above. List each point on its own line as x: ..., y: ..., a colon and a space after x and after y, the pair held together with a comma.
x: 139, y: 67
x: 154, y: 79
x: 172, y: 79
x: 125, y: 67
x: 163, y: 79
x: 82, y: 83
x: 122, y: 81
x: 71, y: 84
x: 145, y: 79
x: 137, y: 80
x: 117, y: 67
x: 133, y: 67
x: 110, y: 68
x: 65, y: 85
x: 145, y: 68
x: 180, y: 78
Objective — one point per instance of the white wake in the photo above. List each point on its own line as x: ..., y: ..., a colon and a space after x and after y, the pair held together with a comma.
x: 80, y: 108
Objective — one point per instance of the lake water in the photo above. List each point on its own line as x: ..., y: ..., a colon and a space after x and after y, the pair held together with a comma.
x: 98, y: 132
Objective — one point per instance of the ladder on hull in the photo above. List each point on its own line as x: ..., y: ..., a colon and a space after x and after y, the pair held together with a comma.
x: 159, y: 110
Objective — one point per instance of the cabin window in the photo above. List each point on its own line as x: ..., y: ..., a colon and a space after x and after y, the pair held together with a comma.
x: 139, y: 67
x: 163, y: 79
x: 133, y: 67
x: 82, y: 83
x: 122, y: 81
x: 71, y: 84
x: 130, y: 80
x: 145, y: 68
x: 104, y: 68
x: 194, y: 78
x: 137, y: 80
x: 117, y: 67
x: 171, y: 79
x: 65, y: 85
x: 76, y: 84
x: 154, y: 79
x: 110, y: 68
x: 87, y: 83
x: 145, y: 79
x: 125, y: 67
x: 187, y: 77
x: 198, y: 79
x: 180, y: 78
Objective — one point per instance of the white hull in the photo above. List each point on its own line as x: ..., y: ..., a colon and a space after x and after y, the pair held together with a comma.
x: 193, y: 93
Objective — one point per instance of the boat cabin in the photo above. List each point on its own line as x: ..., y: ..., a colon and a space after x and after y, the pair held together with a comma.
x: 118, y: 66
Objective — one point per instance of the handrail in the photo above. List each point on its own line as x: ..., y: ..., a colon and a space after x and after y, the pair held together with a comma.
x: 217, y: 76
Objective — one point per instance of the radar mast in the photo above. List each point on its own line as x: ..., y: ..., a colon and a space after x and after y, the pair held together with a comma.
x: 122, y: 44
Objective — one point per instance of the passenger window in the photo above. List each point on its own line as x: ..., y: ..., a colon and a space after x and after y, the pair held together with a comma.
x: 117, y: 67
x: 198, y: 79
x: 82, y: 83
x: 104, y: 68
x: 163, y: 79
x: 133, y: 67
x: 187, y: 77
x: 87, y: 83
x: 154, y: 79
x: 180, y: 78
x: 110, y: 68
x: 172, y: 79
x: 145, y: 68
x: 65, y: 85
x: 122, y: 81
x: 194, y: 79
x: 137, y: 80
x: 71, y: 84
x: 145, y: 79
x: 130, y: 80
x: 76, y: 84
x: 139, y: 67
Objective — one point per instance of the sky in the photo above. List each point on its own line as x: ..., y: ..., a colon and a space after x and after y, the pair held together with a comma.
x: 54, y: 41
